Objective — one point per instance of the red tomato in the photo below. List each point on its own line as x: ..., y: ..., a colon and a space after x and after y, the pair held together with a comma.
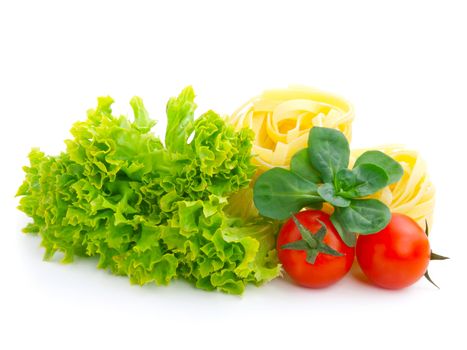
x: 395, y: 257
x: 327, y: 269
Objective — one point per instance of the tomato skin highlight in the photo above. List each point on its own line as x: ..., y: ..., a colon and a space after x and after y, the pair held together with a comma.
x: 327, y: 269
x: 397, y: 256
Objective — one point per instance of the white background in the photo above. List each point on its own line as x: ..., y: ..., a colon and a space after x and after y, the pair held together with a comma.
x: 402, y: 64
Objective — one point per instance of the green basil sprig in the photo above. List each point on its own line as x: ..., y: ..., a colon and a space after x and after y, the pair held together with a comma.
x: 320, y: 174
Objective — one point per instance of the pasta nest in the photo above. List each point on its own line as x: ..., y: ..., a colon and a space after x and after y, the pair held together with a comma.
x: 282, y: 118
x: 414, y: 193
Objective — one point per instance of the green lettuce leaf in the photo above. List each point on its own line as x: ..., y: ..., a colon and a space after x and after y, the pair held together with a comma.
x: 180, y: 119
x: 152, y: 212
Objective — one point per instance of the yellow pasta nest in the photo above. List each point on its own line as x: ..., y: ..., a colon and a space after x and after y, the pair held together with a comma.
x: 282, y: 118
x: 414, y: 193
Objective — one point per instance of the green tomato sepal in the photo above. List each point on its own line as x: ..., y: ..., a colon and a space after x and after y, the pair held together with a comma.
x: 312, y: 244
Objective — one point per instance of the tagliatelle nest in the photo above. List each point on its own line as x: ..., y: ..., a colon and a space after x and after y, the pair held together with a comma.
x: 414, y: 193
x: 282, y: 118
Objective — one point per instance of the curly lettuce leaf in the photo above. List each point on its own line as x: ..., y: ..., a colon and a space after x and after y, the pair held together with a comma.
x: 152, y: 212
x: 180, y: 119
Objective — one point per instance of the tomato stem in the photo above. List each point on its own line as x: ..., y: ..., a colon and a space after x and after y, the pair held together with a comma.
x: 311, y: 243
x: 433, y: 256
x: 427, y: 276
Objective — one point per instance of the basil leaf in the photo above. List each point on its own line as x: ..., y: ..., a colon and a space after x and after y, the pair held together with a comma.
x: 329, y: 152
x: 315, y: 205
x: 364, y: 216
x: 349, y: 238
x: 369, y: 179
x: 328, y: 193
x: 392, y: 168
x: 300, y: 164
x: 345, y: 179
x: 278, y: 193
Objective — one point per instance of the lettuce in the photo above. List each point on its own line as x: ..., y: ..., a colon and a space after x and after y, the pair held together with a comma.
x: 150, y: 211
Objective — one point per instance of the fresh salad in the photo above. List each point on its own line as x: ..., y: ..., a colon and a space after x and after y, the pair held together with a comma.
x: 203, y: 205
